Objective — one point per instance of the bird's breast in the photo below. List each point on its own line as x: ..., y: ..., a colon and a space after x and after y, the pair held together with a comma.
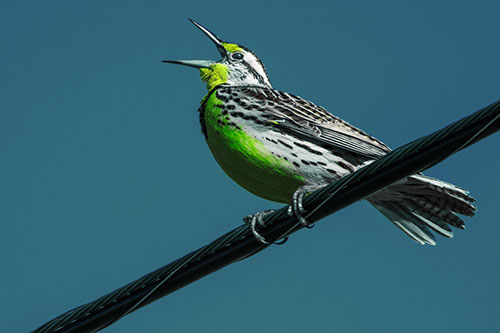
x: 234, y: 142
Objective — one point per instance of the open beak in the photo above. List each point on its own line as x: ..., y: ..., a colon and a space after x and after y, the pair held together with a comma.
x: 191, y: 63
x: 202, y: 63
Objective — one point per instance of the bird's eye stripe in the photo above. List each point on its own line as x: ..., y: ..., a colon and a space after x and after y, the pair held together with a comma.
x: 253, y: 71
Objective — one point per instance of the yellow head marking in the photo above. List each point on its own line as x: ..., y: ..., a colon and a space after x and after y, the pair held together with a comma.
x: 231, y: 47
x: 214, y: 75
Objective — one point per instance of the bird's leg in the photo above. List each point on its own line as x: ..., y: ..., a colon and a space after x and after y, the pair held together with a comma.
x: 296, y: 207
x: 253, y: 219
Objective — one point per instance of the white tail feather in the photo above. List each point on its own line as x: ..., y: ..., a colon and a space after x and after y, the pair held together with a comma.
x: 419, y: 203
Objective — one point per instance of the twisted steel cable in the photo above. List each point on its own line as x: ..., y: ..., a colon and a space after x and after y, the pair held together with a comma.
x: 240, y: 242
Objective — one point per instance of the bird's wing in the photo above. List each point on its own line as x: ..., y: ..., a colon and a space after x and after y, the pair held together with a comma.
x: 328, y: 138
x: 311, y: 122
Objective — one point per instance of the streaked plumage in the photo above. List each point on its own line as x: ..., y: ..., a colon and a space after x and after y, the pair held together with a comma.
x: 272, y: 143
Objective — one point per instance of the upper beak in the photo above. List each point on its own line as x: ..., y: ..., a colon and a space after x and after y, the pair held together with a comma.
x: 202, y: 63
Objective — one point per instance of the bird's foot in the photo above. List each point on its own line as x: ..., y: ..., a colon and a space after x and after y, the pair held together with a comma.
x: 296, y: 206
x: 257, y: 218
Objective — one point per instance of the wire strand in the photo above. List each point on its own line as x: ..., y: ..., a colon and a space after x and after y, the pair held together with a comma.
x: 240, y: 242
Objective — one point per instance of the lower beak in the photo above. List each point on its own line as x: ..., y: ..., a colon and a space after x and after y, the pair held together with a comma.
x: 191, y: 63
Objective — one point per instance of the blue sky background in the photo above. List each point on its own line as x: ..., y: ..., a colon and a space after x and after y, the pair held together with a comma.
x: 105, y: 176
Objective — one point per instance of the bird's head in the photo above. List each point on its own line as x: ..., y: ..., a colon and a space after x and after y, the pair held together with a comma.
x: 238, y: 66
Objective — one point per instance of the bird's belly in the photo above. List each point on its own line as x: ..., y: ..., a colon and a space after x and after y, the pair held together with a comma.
x: 247, y: 161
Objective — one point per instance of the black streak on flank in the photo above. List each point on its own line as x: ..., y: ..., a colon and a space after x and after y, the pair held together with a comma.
x: 254, y: 118
x: 296, y: 164
x: 345, y: 166
x: 237, y: 114
x: 309, y: 149
x: 333, y: 172
x: 285, y: 144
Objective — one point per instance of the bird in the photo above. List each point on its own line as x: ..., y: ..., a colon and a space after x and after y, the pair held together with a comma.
x: 281, y: 147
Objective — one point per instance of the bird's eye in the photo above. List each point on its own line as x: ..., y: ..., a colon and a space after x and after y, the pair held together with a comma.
x: 237, y: 56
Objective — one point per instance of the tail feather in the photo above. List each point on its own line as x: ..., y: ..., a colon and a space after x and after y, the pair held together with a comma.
x: 444, y: 215
x: 420, y: 204
x: 453, y: 197
x: 406, y: 221
x: 440, y: 223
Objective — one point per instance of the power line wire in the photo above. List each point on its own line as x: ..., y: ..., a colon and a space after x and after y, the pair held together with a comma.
x: 240, y: 242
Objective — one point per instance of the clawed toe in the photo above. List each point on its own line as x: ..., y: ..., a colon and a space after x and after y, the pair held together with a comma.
x: 253, y: 219
x: 296, y: 206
